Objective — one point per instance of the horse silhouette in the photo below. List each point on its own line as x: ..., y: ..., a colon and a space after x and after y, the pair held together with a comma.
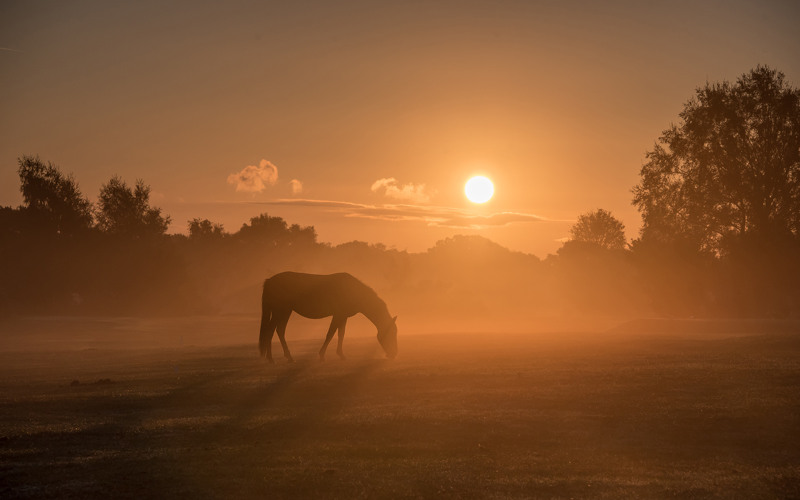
x: 318, y: 296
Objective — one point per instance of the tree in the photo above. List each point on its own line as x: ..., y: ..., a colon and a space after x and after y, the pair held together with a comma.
x: 264, y: 229
x: 53, y: 198
x: 599, y: 228
x: 127, y: 212
x: 275, y: 232
x: 204, y: 229
x: 730, y: 170
x: 303, y: 237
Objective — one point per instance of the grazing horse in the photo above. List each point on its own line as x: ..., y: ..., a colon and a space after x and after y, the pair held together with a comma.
x: 318, y: 296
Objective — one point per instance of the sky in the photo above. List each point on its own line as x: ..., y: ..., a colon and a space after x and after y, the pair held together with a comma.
x: 366, y: 119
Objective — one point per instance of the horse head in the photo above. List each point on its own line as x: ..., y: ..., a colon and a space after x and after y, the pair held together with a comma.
x: 387, y: 336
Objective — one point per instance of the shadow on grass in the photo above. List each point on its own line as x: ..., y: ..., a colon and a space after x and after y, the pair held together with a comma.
x: 123, y: 441
x: 652, y: 418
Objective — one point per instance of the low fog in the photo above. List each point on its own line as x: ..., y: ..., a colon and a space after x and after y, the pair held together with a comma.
x: 463, y: 283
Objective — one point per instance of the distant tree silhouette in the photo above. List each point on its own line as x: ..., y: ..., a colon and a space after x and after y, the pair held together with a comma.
x: 676, y: 277
x: 275, y: 232
x: 204, y: 229
x: 730, y: 170
x: 127, y: 212
x: 44, y: 242
x: 52, y: 200
x: 594, y: 271
x: 599, y: 228
x: 302, y: 236
x: 264, y: 229
x: 474, y: 259
x: 468, y: 246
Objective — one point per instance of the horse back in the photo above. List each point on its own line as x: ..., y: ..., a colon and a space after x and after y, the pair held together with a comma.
x: 315, y: 295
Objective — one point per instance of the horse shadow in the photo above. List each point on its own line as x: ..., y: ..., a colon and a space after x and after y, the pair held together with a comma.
x: 298, y: 399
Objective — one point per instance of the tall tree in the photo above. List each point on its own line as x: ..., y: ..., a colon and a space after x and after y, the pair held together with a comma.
x: 599, y: 228
x: 730, y: 171
x: 52, y: 197
x: 127, y: 212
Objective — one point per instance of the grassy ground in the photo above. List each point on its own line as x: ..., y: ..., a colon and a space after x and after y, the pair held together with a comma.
x: 551, y: 416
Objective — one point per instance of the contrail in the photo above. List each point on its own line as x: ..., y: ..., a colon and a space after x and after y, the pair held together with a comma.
x: 11, y: 50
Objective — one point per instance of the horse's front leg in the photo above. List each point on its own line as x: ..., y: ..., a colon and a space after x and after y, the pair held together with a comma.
x: 341, y: 338
x: 328, y: 338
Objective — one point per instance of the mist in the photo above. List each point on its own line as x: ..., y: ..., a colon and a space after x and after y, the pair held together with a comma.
x: 462, y: 283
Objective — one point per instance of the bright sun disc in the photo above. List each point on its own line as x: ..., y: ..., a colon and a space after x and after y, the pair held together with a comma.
x: 479, y: 189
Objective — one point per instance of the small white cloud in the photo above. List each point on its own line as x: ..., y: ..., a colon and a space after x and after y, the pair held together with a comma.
x: 254, y: 179
x: 408, y: 192
x: 297, y: 186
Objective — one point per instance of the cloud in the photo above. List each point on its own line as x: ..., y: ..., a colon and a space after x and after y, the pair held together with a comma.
x: 297, y: 186
x: 498, y: 219
x: 252, y: 179
x: 408, y: 192
x: 433, y: 216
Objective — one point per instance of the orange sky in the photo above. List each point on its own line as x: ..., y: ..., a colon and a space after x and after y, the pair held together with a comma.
x: 556, y: 102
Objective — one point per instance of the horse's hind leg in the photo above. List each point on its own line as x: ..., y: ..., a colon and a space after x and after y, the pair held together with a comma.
x: 328, y: 337
x: 268, y: 325
x: 283, y: 319
x: 339, y: 350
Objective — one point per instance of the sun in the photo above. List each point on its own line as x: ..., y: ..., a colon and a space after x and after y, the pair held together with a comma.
x: 479, y: 189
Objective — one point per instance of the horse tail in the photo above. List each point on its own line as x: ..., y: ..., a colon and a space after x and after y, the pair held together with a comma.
x: 266, y: 316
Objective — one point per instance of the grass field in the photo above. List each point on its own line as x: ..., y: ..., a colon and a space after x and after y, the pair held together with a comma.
x: 187, y: 409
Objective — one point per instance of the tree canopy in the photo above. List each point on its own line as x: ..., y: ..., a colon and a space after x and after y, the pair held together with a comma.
x: 599, y: 228
x: 204, y: 229
x: 126, y: 211
x: 730, y: 170
x: 52, y: 197
x: 265, y: 229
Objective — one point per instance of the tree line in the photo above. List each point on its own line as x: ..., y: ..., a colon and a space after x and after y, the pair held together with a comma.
x: 719, y: 195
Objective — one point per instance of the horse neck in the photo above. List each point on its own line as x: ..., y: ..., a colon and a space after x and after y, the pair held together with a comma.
x: 376, y: 311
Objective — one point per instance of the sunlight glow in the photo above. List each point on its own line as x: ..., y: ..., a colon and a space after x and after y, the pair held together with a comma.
x: 479, y: 189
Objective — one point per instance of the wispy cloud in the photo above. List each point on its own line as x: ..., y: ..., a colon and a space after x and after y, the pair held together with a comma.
x: 254, y: 179
x: 407, y: 192
x: 496, y: 219
x: 433, y: 216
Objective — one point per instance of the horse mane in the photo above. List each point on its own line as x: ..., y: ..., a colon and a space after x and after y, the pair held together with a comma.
x: 370, y: 294
x: 370, y: 291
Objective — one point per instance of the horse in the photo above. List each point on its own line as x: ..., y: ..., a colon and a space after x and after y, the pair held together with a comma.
x: 318, y: 296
